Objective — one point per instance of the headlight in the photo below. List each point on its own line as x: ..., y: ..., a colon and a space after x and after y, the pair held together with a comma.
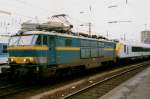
x: 26, y: 60
x: 11, y: 60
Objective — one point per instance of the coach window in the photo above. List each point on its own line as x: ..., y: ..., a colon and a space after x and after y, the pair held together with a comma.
x: 39, y: 39
x: 68, y: 42
x: 137, y: 49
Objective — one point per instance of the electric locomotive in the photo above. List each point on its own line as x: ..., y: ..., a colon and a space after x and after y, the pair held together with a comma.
x: 45, y: 53
x: 49, y: 48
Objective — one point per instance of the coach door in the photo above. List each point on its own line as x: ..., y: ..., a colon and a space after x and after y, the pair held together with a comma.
x: 126, y: 49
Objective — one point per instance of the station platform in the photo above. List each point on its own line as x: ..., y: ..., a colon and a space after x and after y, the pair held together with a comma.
x: 138, y: 87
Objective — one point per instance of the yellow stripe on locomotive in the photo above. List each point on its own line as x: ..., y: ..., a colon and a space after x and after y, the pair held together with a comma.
x: 27, y: 48
x: 67, y: 48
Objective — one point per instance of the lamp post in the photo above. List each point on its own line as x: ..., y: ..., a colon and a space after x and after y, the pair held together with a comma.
x: 126, y: 1
x: 89, y: 24
x: 89, y: 27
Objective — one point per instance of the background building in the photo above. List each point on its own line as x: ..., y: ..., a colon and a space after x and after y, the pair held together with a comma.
x: 145, y: 37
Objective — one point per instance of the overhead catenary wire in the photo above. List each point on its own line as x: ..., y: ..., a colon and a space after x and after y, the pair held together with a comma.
x: 12, y: 13
x: 36, y: 6
x: 11, y: 21
x: 5, y: 12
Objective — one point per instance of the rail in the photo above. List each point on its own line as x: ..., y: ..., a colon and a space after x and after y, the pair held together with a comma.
x: 128, y: 69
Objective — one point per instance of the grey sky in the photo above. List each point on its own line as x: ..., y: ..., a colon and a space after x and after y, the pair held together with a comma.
x: 136, y: 11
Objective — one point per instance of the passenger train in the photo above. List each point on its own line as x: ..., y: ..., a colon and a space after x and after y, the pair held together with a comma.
x: 130, y: 50
x: 44, y: 53
x: 50, y: 48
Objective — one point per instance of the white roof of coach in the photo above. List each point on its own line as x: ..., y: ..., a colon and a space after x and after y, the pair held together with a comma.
x: 138, y: 44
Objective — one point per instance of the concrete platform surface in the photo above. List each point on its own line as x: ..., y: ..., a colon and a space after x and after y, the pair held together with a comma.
x: 137, y: 87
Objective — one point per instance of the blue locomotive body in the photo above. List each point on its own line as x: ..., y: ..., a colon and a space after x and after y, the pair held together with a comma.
x: 83, y: 51
x: 48, y: 51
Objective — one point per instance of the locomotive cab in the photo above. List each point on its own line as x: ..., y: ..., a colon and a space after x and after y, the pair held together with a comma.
x: 28, y: 49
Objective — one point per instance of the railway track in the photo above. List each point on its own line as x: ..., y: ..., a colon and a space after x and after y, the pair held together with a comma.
x: 101, y: 87
x: 95, y: 86
x: 75, y: 89
x: 8, y: 86
x: 9, y: 89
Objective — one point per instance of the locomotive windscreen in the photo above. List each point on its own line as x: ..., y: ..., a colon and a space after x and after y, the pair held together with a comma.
x: 23, y: 40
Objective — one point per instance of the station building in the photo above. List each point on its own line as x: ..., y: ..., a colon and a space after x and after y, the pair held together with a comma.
x: 145, y: 37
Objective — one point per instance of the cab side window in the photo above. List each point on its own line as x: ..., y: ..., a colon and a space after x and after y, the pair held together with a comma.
x: 68, y: 42
x: 51, y: 41
x: 39, y: 40
x: 45, y: 41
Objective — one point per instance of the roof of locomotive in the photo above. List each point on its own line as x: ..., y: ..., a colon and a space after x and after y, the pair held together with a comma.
x: 64, y: 35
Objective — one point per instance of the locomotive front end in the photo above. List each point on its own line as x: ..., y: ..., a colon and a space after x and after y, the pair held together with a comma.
x: 27, y: 54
